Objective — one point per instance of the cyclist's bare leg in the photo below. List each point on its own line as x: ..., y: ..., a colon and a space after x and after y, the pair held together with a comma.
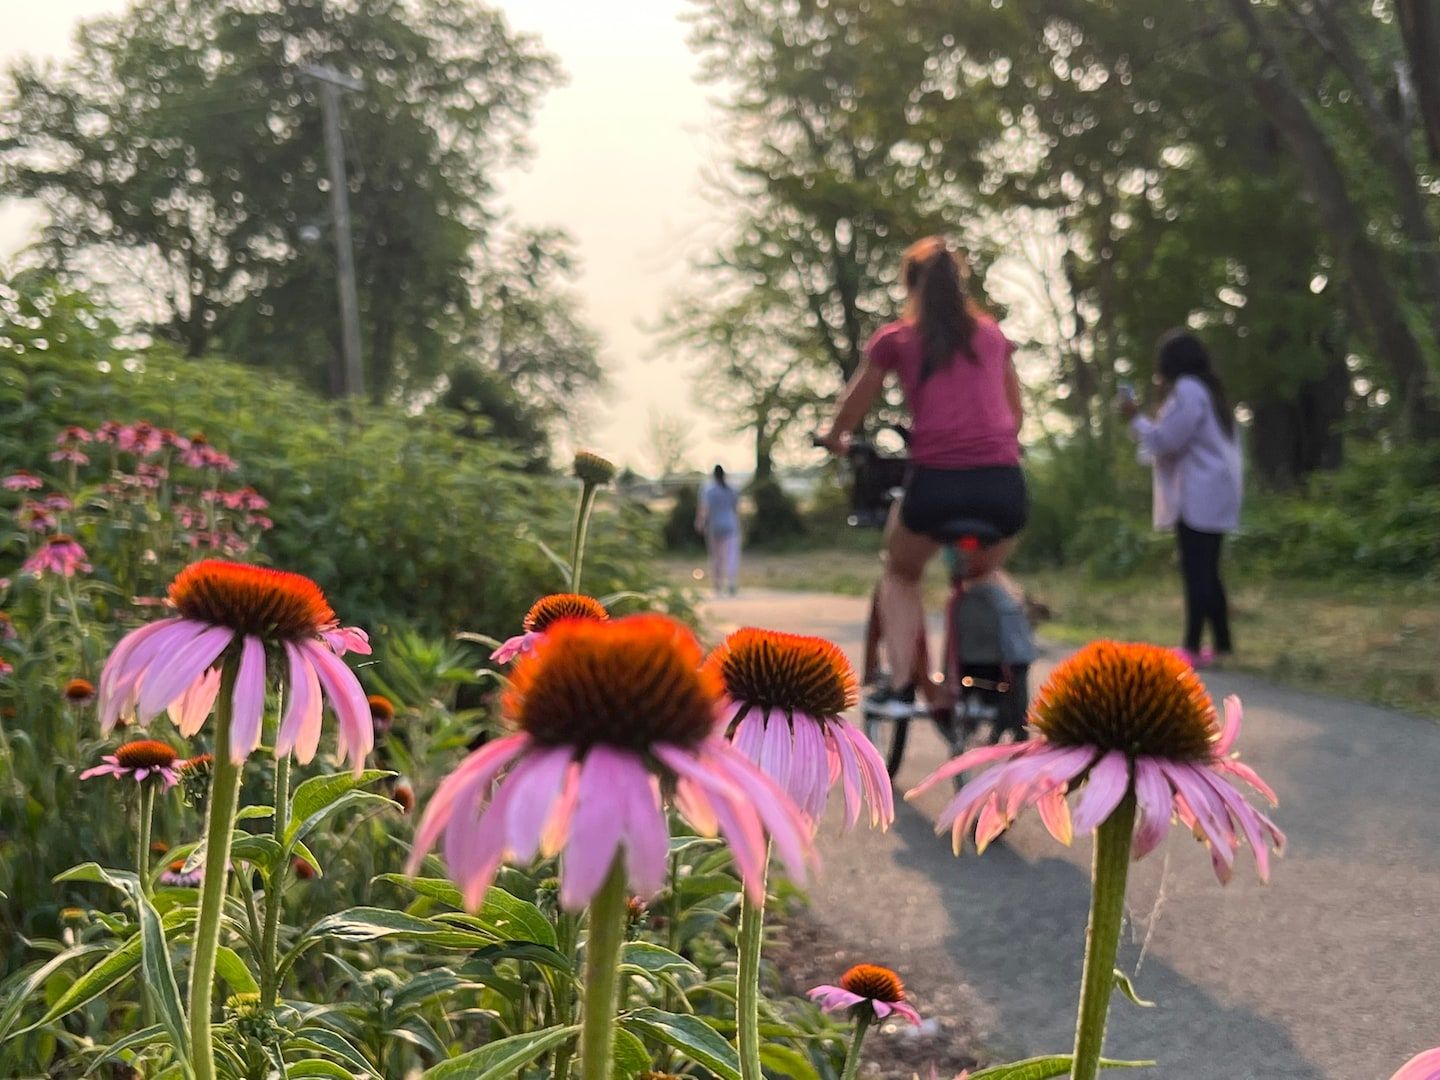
x: 902, y: 610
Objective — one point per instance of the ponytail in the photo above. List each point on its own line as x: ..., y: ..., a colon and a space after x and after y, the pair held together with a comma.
x: 943, y: 314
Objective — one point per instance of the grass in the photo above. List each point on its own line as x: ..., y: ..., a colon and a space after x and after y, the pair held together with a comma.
x: 1378, y: 643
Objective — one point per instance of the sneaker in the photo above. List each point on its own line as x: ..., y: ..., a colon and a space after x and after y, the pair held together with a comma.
x: 1207, y: 657
x: 1190, y: 658
x: 890, y: 702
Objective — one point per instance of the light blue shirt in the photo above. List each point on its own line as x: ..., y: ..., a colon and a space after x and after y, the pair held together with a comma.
x: 1196, y: 464
x: 722, y: 509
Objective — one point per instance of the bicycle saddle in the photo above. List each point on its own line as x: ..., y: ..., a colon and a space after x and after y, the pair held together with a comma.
x: 958, y: 529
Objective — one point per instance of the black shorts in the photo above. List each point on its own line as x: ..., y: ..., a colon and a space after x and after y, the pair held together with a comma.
x: 934, y: 497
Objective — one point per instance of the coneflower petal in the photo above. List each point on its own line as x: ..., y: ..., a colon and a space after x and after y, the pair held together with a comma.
x: 971, y: 759
x: 647, y: 839
x: 778, y: 814
x: 300, y: 726
x: 850, y: 782
x: 1155, y: 805
x: 348, y: 701
x: 1207, y: 814
x: 1231, y: 729
x: 249, y: 699
x: 484, y: 764
x: 750, y: 734
x: 119, y: 692
x: 810, y: 773
x: 596, y: 829
x: 188, y: 663
x: 537, y: 782
x: 1243, y: 814
x: 882, y: 807
x: 1055, y: 813
x: 775, y: 753
x: 1106, y: 786
x: 189, y: 710
x: 118, y: 664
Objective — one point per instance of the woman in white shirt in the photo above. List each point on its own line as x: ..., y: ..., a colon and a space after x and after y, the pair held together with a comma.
x: 1195, y: 454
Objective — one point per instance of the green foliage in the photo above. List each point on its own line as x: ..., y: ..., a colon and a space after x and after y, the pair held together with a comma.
x: 776, y: 518
x: 678, y: 532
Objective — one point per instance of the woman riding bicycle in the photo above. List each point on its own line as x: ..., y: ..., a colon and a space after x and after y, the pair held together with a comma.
x: 956, y: 368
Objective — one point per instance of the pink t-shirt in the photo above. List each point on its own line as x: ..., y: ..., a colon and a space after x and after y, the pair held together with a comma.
x: 961, y: 418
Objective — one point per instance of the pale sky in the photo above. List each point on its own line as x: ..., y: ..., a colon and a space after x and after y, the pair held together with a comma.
x: 620, y: 151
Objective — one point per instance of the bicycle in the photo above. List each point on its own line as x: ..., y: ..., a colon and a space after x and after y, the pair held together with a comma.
x: 982, y: 693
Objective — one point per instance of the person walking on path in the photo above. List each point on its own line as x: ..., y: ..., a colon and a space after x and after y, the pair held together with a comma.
x: 1194, y: 450
x: 956, y: 368
x: 717, y: 518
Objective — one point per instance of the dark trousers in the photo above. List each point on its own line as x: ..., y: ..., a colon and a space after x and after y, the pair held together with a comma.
x: 1204, y: 593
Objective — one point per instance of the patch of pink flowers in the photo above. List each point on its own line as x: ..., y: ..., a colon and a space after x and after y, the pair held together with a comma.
x: 60, y: 555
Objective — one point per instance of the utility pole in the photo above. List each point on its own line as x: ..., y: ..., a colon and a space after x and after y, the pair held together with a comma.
x: 331, y: 83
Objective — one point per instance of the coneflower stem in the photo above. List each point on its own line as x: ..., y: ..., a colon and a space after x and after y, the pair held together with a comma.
x: 142, y: 839
x: 275, y: 889
x: 220, y: 821
x: 581, y: 533
x: 608, y: 916
x: 1102, y: 937
x: 863, y: 1016
x: 747, y: 982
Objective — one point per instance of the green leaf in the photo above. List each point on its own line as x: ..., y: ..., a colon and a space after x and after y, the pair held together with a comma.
x: 232, y: 969
x: 438, y: 889
x: 331, y: 1042
x: 1044, y: 1068
x: 1126, y: 987
x: 368, y: 924
x: 630, y: 1058
x: 502, y: 1059
x: 250, y: 813
x: 319, y: 792
x: 125, y: 880
x: 787, y: 1061
x: 689, y: 1035
x: 514, y: 919
x: 344, y: 802
x: 256, y: 849
x: 316, y: 798
x: 32, y: 982
x: 134, y: 1041
x: 654, y: 959
x: 317, y: 1067
x: 530, y: 951
x: 160, y: 977
x: 94, y: 982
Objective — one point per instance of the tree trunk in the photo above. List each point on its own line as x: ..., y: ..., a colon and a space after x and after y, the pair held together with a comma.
x: 764, y: 450
x: 1295, y: 436
x: 1420, y: 29
x: 1277, y: 95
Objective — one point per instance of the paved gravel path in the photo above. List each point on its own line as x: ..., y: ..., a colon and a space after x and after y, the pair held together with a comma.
x: 1332, y: 972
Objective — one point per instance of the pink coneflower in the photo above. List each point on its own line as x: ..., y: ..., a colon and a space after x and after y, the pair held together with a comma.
x: 108, y: 432
x: 58, y: 555
x: 382, y: 714
x: 612, y: 717
x: 867, y: 986
x: 1424, y: 1066
x: 35, y: 517
x: 72, y: 454
x: 229, y: 606
x: 20, y: 480
x: 177, y: 877
x: 141, y: 438
x: 58, y: 503
x: 73, y: 434
x: 260, y: 521
x: 784, y: 696
x: 145, y: 758
x: 6, y: 670
x: 545, y: 613
x: 1124, y: 718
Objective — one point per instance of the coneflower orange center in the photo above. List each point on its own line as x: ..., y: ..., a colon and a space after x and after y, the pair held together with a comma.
x: 79, y: 690
x: 146, y: 754
x: 1139, y: 699
x: 874, y: 982
x: 251, y: 599
x: 551, y: 609
x: 381, y: 706
x: 629, y: 683
x: 793, y: 672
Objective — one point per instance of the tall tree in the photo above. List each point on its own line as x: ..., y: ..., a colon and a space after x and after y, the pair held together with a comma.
x: 182, y: 139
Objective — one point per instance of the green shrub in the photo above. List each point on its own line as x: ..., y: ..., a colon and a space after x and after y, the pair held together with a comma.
x: 776, y: 518
x: 678, y: 532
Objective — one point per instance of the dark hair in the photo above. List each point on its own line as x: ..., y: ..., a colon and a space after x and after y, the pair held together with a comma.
x: 1180, y: 352
x: 719, y: 473
x: 942, y: 312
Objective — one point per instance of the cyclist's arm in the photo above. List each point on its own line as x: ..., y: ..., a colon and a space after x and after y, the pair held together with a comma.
x: 1013, y: 393
x: 864, y: 387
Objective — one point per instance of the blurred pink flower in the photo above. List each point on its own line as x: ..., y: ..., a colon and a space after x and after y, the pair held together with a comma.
x: 139, y: 760
x: 108, y: 432
x: 784, y: 697
x: 72, y: 455
x: 1425, y: 1066
x: 544, y: 613
x: 59, y: 503
x: 58, y: 555
x: 35, y: 517
x: 20, y: 480
x: 610, y: 717
x: 5, y: 669
x: 866, y: 985
x: 73, y: 434
x: 261, y: 522
x: 223, y: 607
x: 141, y: 438
x: 1125, y: 719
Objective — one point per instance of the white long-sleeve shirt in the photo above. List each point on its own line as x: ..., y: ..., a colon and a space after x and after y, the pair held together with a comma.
x: 1196, y: 464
